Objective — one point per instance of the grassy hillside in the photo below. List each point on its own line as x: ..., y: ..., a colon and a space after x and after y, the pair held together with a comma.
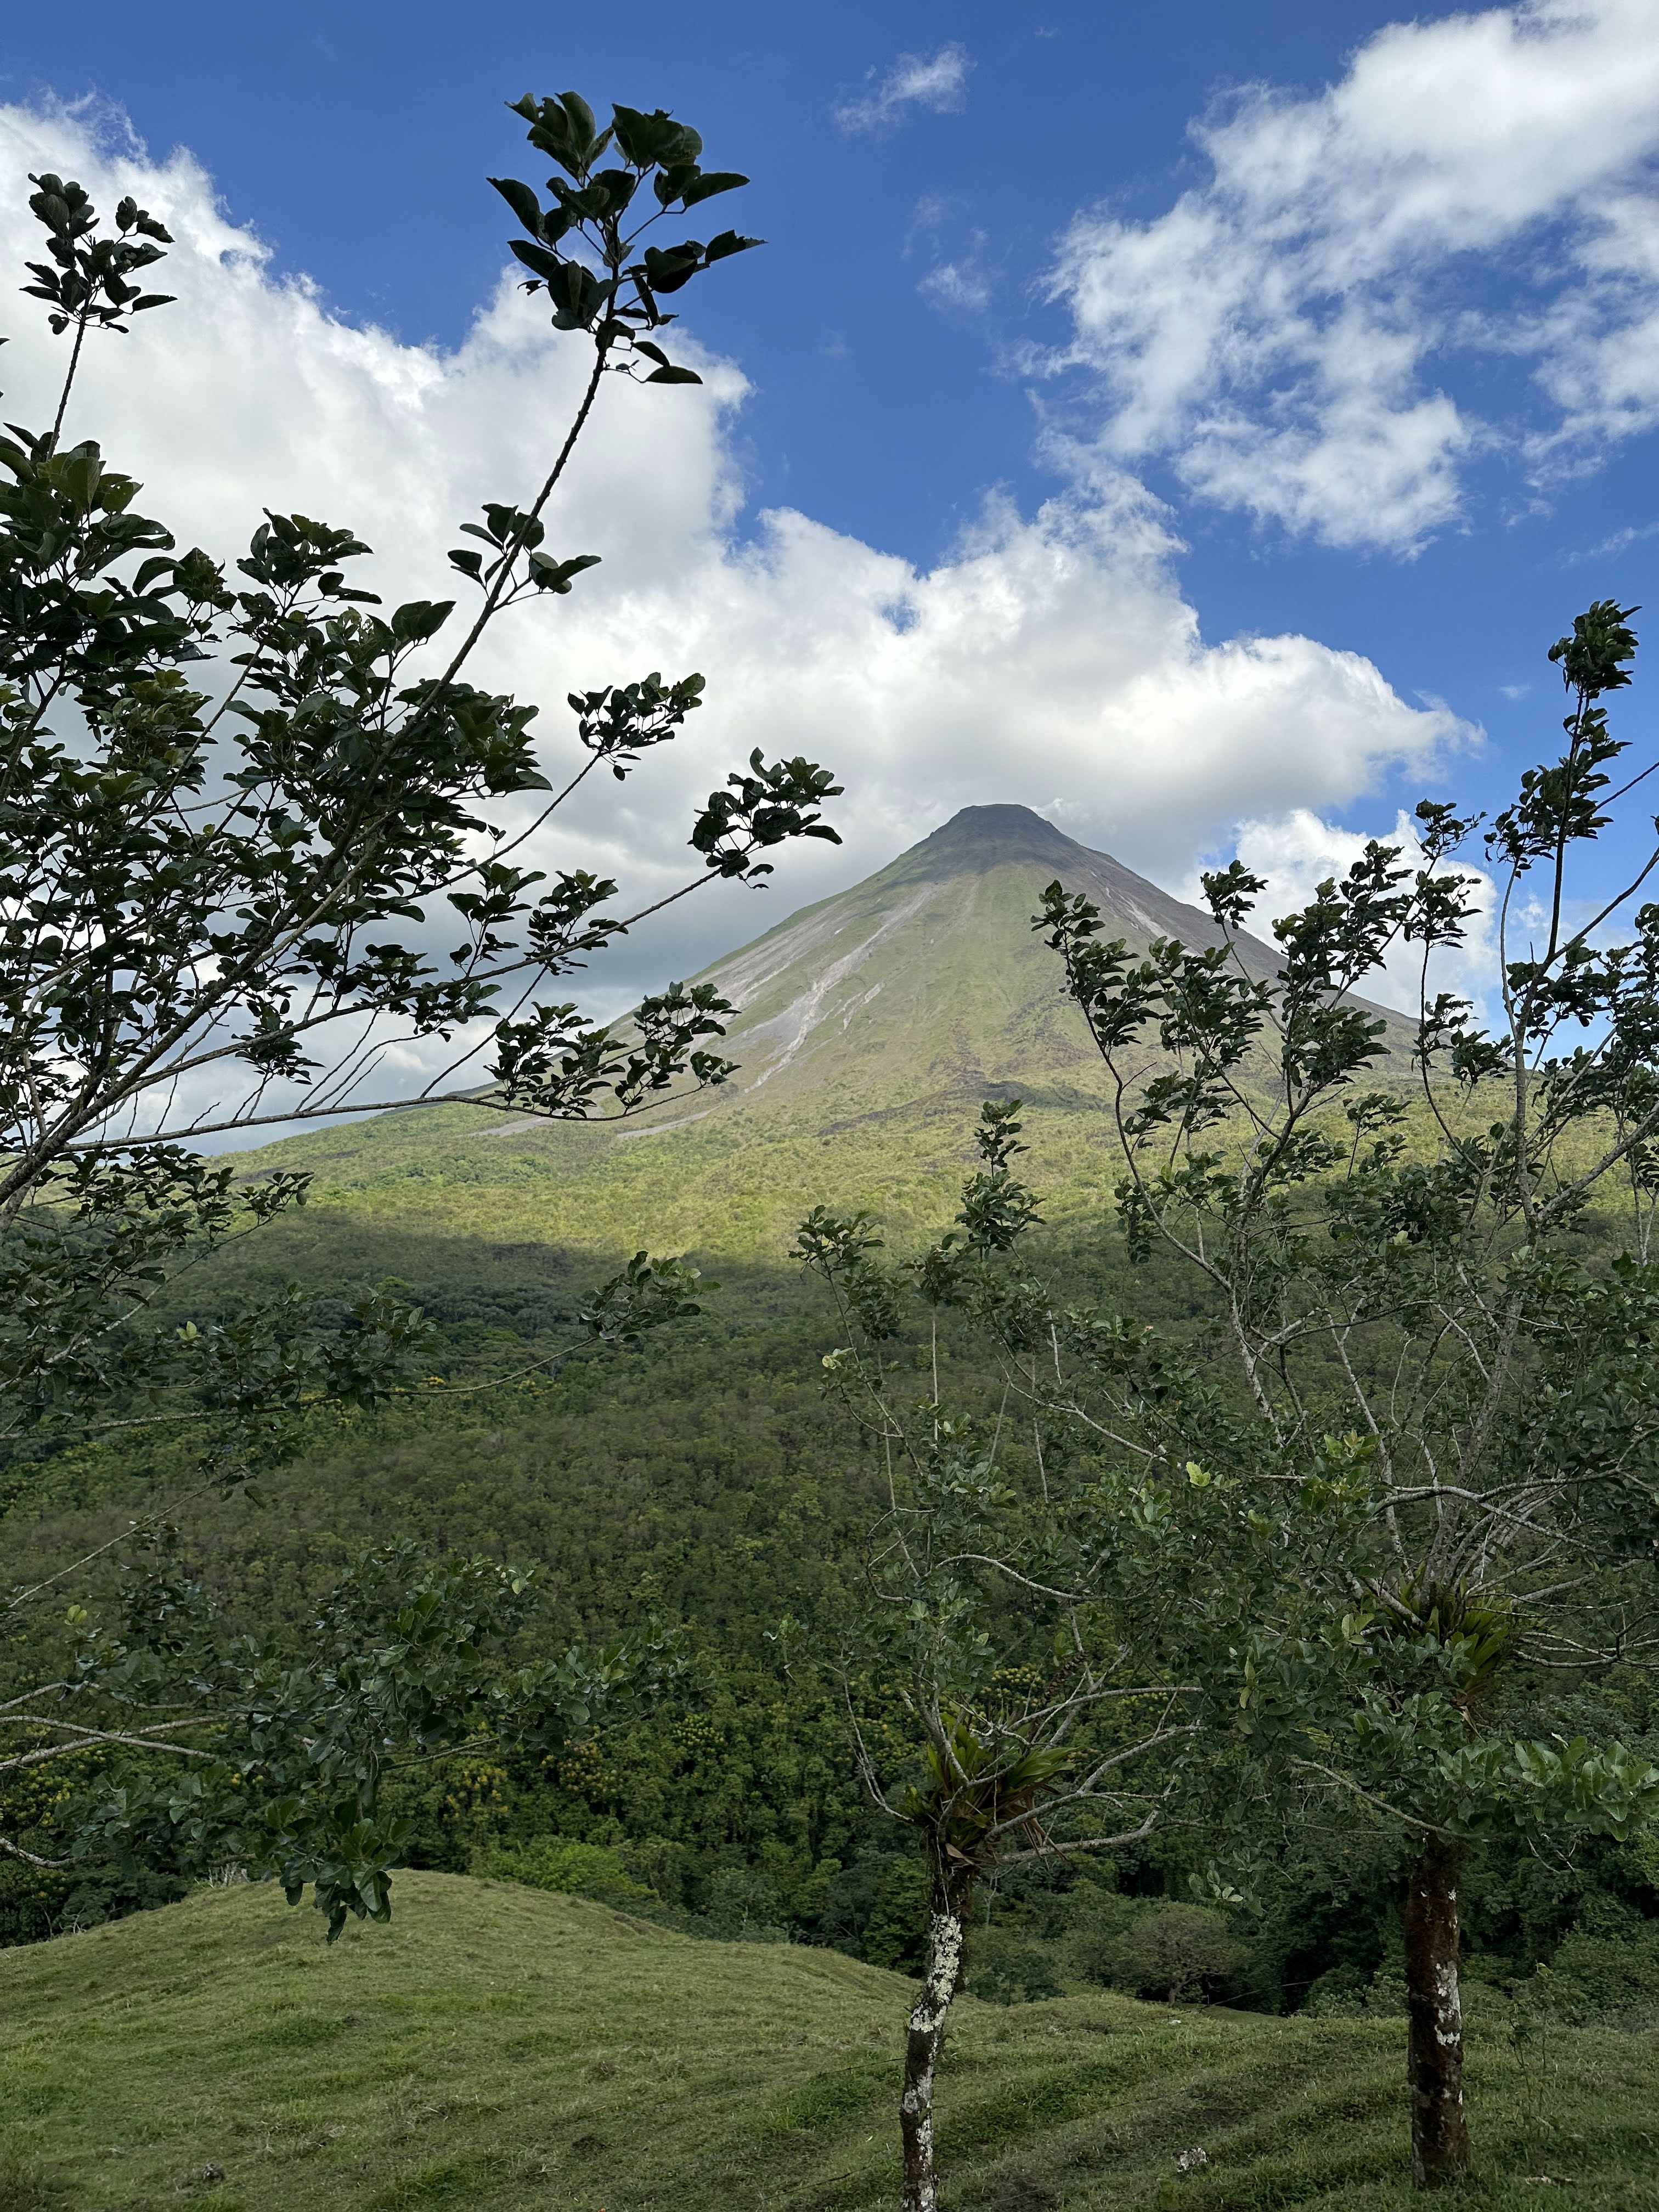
x: 498, y: 2047
x: 705, y: 1483
x: 871, y: 1026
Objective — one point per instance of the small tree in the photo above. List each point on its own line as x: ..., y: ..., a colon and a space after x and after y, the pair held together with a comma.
x: 282, y: 1746
x: 229, y: 808
x: 232, y: 811
x: 1049, y: 1623
x: 1427, y: 1362
x: 265, y: 1757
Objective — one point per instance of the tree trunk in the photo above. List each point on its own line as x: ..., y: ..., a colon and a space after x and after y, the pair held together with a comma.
x: 1434, y: 2066
x: 947, y: 1933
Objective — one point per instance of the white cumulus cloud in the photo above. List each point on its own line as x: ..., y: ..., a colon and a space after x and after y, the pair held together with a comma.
x: 1048, y: 658
x: 939, y: 82
x: 1287, y: 333
x: 1297, y: 851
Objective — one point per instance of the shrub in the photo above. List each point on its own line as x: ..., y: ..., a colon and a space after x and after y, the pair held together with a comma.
x: 1004, y: 1968
x: 896, y: 1930
x: 741, y: 1906
x: 578, y: 1869
x: 1181, y: 1953
x: 1608, y: 1980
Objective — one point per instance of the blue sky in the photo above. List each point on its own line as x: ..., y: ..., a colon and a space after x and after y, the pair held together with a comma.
x: 1380, y: 367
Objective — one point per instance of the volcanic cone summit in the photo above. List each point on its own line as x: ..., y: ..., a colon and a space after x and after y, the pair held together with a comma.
x: 928, y: 978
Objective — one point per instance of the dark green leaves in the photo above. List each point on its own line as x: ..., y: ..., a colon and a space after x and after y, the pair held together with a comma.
x: 565, y: 128
x: 669, y: 269
x: 728, y: 243
x: 621, y: 722
x: 578, y: 295
x: 760, y: 810
x: 508, y: 534
x: 550, y: 574
x: 1562, y: 803
x: 221, y: 896
x: 87, y: 280
x: 546, y: 265
x: 647, y: 1294
x: 289, y: 551
x: 1462, y: 1403
x: 997, y: 1208
x: 603, y: 282
x: 1592, y: 661
x: 292, y: 1738
x: 558, y: 1065
x: 666, y: 269
x: 656, y: 140
x: 559, y: 926
x: 421, y: 619
x: 840, y: 1249
x: 711, y: 181
x: 523, y: 202
x: 1232, y: 892
x: 666, y: 372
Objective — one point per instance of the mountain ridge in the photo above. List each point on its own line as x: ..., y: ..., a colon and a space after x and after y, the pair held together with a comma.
x: 870, y: 1025
x: 946, y: 921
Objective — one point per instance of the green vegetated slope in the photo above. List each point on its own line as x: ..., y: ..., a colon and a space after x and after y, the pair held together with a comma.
x: 871, y: 1027
x: 704, y: 1483
x: 499, y: 2046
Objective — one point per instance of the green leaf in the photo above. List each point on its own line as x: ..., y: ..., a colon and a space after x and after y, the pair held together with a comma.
x: 711, y: 181
x: 584, y: 123
x: 552, y: 574
x: 729, y: 242
x: 545, y: 263
x: 655, y: 140
x: 617, y: 188
x: 667, y: 268
x: 419, y: 619
x: 668, y: 373
x: 522, y: 201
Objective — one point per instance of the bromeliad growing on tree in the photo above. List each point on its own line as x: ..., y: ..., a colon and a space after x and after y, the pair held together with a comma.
x: 1430, y: 1361
x: 1036, y: 1675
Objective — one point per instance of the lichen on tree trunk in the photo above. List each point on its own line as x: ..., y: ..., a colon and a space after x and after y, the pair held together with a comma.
x: 1440, y: 2130
x: 947, y: 1934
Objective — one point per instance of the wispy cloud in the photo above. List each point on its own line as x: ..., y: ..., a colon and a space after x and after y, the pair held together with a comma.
x: 957, y: 284
x: 957, y: 279
x: 1619, y: 541
x: 1289, y: 334
x: 937, y: 81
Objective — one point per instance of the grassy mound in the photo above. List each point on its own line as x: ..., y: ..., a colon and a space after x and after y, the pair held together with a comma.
x: 500, y: 2047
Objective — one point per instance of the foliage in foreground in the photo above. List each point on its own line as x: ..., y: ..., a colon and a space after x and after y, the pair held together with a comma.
x: 706, y: 1484
x: 1414, y: 1479
x: 234, y: 814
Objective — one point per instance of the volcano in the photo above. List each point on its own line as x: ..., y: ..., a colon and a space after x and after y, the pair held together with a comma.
x: 927, y: 978
x: 869, y: 1028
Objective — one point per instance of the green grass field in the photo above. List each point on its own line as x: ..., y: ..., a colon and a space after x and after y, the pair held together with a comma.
x: 498, y: 2047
